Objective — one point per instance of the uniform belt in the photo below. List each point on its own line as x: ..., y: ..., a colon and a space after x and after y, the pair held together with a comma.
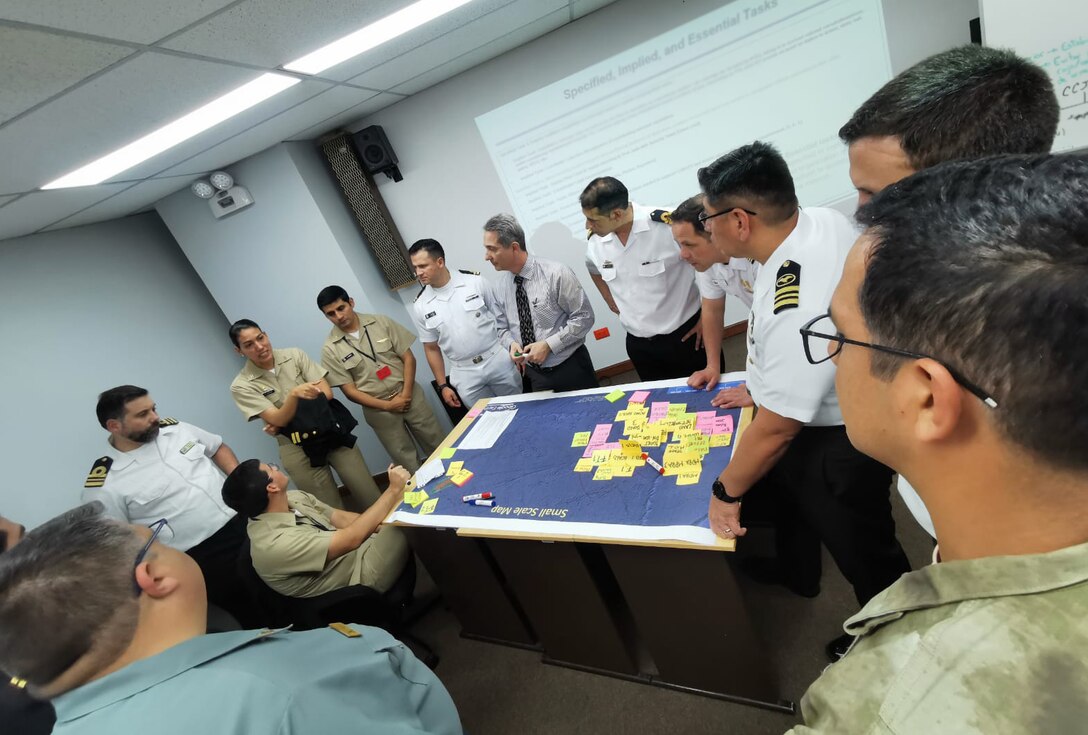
x: 473, y: 361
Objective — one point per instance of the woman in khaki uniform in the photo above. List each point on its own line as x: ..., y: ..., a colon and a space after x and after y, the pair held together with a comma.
x: 269, y: 387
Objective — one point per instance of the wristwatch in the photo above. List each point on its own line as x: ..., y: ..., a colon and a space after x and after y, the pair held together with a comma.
x: 722, y: 495
x: 444, y: 385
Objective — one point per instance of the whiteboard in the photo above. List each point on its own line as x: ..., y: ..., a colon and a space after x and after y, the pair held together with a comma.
x: 1053, y: 34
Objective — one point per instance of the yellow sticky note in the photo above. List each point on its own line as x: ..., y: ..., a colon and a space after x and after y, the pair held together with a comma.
x: 584, y: 465
x: 629, y: 448
x: 581, y: 439
x: 614, y: 396
x: 720, y: 440
x: 428, y: 507
x: 454, y: 468
x: 600, y: 456
x: 446, y: 453
x: 604, y: 472
x: 414, y: 499
x: 623, y: 469
x: 688, y: 477
x: 461, y: 477
x: 675, y: 409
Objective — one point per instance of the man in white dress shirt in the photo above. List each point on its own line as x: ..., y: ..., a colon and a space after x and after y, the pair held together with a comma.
x: 635, y: 263
x: 159, y: 468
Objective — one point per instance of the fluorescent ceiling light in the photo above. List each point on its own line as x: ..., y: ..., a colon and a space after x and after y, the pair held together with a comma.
x: 178, y: 131
x: 373, y: 35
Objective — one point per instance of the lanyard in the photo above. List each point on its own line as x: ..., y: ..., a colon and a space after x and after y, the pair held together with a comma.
x: 373, y: 354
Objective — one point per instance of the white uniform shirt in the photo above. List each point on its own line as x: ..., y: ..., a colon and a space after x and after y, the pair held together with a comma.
x: 735, y: 278
x: 653, y: 288
x: 171, y: 477
x: 462, y: 317
x: 780, y: 377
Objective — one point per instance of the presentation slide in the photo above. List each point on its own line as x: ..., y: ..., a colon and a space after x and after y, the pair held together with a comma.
x: 789, y: 72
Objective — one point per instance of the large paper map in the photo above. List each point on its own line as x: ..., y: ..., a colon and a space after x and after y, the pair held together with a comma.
x: 627, y: 464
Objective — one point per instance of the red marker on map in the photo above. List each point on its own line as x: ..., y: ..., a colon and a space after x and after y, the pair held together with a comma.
x: 650, y: 461
x: 476, y: 496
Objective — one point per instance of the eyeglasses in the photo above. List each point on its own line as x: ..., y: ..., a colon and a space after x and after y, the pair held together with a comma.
x: 703, y: 216
x: 156, y: 529
x: 273, y: 466
x: 808, y: 334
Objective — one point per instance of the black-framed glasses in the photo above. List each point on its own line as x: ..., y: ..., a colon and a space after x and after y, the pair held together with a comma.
x: 703, y: 216
x: 829, y: 345
x: 156, y: 529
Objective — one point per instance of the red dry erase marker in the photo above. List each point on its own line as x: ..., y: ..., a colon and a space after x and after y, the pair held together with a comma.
x: 476, y: 496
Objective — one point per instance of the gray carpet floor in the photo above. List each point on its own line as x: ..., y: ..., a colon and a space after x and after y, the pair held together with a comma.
x: 500, y: 690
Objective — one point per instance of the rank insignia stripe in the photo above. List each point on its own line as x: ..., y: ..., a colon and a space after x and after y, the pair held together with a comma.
x: 168, y: 422
x: 97, y: 476
x: 661, y: 215
x: 468, y: 273
x: 787, y: 286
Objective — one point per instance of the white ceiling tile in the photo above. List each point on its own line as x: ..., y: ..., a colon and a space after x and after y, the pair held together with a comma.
x: 273, y: 32
x: 134, y: 98
x: 274, y: 130
x: 141, y: 21
x: 126, y: 201
x: 424, y: 57
x: 488, y: 51
x: 41, y: 208
x: 232, y: 138
x: 578, y: 8
x: 343, y: 119
x: 27, y: 81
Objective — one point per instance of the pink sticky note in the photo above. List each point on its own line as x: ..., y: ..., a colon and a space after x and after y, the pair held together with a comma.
x: 658, y: 410
x: 702, y: 416
x: 600, y: 434
x: 639, y: 396
x: 473, y: 413
x: 723, y: 425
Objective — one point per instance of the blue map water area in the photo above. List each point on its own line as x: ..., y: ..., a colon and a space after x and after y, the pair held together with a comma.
x: 530, y: 469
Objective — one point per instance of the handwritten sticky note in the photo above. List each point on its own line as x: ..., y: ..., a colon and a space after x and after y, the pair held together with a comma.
x: 446, y: 453
x: 604, y: 472
x: 474, y: 412
x: 639, y: 396
x: 623, y: 469
x: 454, y: 468
x: 677, y: 409
x: 461, y: 477
x: 658, y: 410
x: 429, y: 506
x: 614, y: 396
x: 688, y: 477
x: 415, y: 498
x: 630, y: 448
x: 720, y: 440
x: 584, y: 465
x: 600, y: 434
x: 723, y: 425
x: 600, y: 456
x: 581, y: 439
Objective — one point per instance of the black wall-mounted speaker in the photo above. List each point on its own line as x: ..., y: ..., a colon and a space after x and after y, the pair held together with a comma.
x: 368, y: 209
x: 375, y: 152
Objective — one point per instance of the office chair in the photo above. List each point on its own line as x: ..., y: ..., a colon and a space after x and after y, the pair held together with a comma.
x: 354, y: 604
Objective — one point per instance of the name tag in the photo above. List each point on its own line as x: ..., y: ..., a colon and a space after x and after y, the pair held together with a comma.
x: 428, y: 316
x: 268, y: 392
x: 347, y: 357
x: 187, y: 447
x: 473, y: 296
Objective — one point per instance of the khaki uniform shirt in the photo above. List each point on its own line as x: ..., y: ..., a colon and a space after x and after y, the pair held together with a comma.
x: 289, y: 550
x: 994, y: 645
x: 381, y: 344
x: 255, y: 390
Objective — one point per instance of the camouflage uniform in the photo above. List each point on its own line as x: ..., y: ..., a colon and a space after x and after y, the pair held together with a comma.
x: 993, y: 645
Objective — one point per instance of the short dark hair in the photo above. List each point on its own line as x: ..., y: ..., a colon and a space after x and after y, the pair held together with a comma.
x: 330, y: 295
x: 967, y: 102
x: 755, y: 173
x: 981, y: 264
x: 689, y: 211
x: 240, y: 326
x: 605, y: 194
x: 246, y: 489
x: 111, y: 403
x: 66, y: 594
x: 432, y: 247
